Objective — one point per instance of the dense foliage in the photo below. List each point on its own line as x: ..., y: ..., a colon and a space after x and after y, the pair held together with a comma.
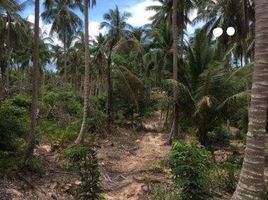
x: 131, y: 77
x: 190, y: 164
x: 85, y: 163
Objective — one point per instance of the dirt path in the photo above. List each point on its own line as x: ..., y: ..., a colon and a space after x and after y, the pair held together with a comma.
x: 127, y: 161
x: 128, y: 164
x: 129, y: 172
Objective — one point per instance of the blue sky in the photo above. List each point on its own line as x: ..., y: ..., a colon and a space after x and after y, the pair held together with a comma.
x: 136, y: 7
x: 97, y: 12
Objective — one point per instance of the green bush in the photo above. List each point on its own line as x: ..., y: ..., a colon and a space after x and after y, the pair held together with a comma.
x: 8, y: 162
x: 33, y: 164
x: 84, y: 162
x: 14, y: 122
x: 62, y: 105
x: 220, y: 136
x: 21, y: 101
x: 157, y: 168
x: 190, y: 164
x: 165, y: 192
x: 224, y: 177
x: 99, y: 102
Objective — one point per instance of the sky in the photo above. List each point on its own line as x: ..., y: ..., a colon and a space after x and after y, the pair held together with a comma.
x: 137, y: 8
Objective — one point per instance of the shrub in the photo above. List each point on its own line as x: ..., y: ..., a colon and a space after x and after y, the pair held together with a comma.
x: 33, y: 164
x: 21, y: 101
x: 62, y: 105
x: 190, y: 163
x: 14, y: 123
x: 220, y: 136
x: 85, y: 163
x: 8, y: 162
x: 165, y: 192
x: 157, y: 168
x: 224, y: 177
x: 98, y: 102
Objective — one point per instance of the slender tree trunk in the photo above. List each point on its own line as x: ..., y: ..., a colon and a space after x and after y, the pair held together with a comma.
x: 175, y: 129
x: 81, y: 136
x: 35, y: 77
x: 110, y: 93
x: 251, y: 184
x: 8, y: 55
x: 65, y: 56
x: 244, y: 31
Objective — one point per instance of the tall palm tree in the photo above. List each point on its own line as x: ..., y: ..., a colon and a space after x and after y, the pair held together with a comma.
x: 165, y: 13
x: 35, y: 77
x: 81, y: 136
x: 225, y: 13
x: 8, y: 12
x: 175, y: 127
x: 251, y: 183
x: 64, y: 21
x: 158, y: 60
x: 117, y: 26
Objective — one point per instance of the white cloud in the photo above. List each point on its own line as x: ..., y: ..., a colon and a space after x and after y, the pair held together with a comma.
x: 94, y: 29
x: 193, y: 14
x: 45, y: 28
x: 30, y: 18
x: 140, y: 16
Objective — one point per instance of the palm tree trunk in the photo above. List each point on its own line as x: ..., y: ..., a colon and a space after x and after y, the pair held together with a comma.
x: 81, y: 136
x: 175, y: 128
x: 65, y: 56
x: 251, y: 184
x: 8, y: 54
x: 244, y: 31
x: 35, y: 77
x: 110, y: 93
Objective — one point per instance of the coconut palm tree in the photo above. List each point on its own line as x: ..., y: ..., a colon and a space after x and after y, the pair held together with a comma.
x: 164, y: 12
x: 64, y: 22
x: 10, y: 18
x: 158, y: 60
x: 100, y: 61
x: 175, y: 128
x: 179, y: 17
x: 8, y: 6
x: 115, y: 23
x: 81, y: 136
x: 207, y: 93
x: 225, y: 13
x: 251, y: 183
x: 35, y: 77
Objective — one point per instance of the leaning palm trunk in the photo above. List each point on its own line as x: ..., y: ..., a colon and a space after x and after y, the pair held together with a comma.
x: 251, y: 184
x: 35, y: 77
x: 81, y: 136
x: 174, y: 129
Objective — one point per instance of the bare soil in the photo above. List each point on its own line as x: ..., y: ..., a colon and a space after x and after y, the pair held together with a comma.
x: 130, y: 168
x: 126, y: 160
